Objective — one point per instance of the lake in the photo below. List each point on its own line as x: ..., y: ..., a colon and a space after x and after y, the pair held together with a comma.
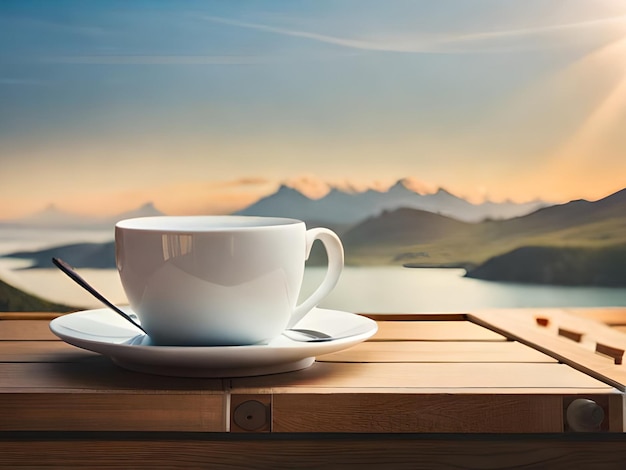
x: 370, y: 289
x: 388, y: 289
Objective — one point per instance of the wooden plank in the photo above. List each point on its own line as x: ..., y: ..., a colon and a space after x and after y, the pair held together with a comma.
x: 200, y: 412
x: 13, y: 330
x: 29, y: 315
x: 617, y: 413
x: 591, y: 330
x: 522, y: 326
x: 442, y: 412
x: 487, y: 391
x: 98, y: 374
x: 43, y: 351
x: 346, y: 377
x: 434, y: 331
x: 437, y: 351
x: 612, y: 316
x: 285, y: 452
x: 408, y: 413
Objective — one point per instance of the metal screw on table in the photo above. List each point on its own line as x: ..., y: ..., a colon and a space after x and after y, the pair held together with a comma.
x: 250, y: 415
x: 584, y: 415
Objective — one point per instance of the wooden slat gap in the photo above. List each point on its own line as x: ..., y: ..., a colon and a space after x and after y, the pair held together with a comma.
x: 415, y: 317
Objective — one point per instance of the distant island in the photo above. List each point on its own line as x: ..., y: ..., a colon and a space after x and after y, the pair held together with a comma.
x: 79, y: 255
x: 603, y: 266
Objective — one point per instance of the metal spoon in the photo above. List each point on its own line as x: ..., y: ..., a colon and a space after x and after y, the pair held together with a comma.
x: 314, y: 336
x: 310, y: 336
x: 296, y: 334
x: 67, y: 269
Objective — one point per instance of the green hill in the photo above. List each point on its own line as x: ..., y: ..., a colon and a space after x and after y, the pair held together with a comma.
x: 591, y: 235
x: 604, y: 266
x: 402, y: 235
x: 15, y: 300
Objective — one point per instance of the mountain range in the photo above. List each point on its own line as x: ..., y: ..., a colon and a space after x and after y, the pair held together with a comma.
x: 338, y: 209
x: 52, y: 217
x: 346, y: 208
x: 576, y: 243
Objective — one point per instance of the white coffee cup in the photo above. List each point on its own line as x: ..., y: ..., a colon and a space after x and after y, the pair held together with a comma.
x: 219, y: 280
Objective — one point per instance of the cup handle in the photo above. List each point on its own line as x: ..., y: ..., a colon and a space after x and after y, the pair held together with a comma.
x: 334, y: 250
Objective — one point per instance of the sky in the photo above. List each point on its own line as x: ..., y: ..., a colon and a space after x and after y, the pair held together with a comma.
x: 205, y: 106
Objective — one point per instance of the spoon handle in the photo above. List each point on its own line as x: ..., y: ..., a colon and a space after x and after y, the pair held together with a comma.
x: 69, y: 270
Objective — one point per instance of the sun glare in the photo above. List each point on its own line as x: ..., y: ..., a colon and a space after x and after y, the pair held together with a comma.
x: 577, y: 155
x: 607, y: 111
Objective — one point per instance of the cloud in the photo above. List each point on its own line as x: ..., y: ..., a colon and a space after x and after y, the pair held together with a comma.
x: 350, y: 185
x: 345, y: 42
x: 160, y: 59
x: 419, y: 186
x: 316, y: 187
x: 421, y: 43
x: 549, y: 29
x: 309, y: 185
x: 34, y: 23
x: 244, y: 182
x: 477, y: 42
x: 21, y: 81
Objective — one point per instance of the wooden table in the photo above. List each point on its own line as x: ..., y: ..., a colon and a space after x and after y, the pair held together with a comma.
x: 485, y: 389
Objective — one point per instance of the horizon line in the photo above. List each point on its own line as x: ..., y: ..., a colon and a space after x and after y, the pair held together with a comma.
x: 59, y: 209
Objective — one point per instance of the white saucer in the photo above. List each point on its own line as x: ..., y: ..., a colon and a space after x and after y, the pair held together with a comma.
x: 105, y: 332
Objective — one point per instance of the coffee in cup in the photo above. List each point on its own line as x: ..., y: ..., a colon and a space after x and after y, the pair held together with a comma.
x: 219, y: 280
